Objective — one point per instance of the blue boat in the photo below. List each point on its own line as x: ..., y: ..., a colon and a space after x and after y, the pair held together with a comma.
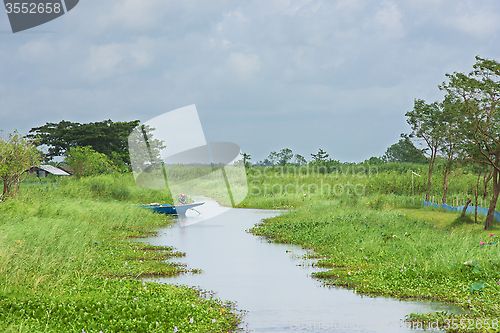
x: 169, y: 209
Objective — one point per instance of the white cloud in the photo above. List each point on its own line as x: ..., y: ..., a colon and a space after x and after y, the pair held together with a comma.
x: 104, y: 59
x: 296, y: 6
x: 36, y: 51
x: 479, y: 24
x: 388, y: 20
x: 134, y: 15
x: 142, y: 57
x: 118, y: 58
x: 238, y: 15
x: 244, y: 66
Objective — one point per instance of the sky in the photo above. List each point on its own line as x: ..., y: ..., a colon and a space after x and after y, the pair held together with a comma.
x: 300, y: 74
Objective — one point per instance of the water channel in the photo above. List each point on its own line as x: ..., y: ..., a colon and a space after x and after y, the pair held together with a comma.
x: 271, y: 281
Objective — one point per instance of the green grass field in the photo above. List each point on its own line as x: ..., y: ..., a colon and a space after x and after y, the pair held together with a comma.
x: 68, y: 263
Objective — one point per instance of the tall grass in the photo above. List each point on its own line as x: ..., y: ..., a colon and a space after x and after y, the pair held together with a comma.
x: 67, y: 263
x: 280, y: 186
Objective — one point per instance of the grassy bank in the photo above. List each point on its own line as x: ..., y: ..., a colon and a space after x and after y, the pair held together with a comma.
x: 393, y: 253
x: 68, y: 263
x: 378, y: 243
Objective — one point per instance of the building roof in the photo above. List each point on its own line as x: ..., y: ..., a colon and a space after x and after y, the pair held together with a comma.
x: 53, y: 170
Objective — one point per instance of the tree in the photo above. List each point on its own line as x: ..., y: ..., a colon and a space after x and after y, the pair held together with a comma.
x: 375, y: 160
x: 86, y: 162
x: 145, y: 150
x: 284, y: 156
x: 320, y: 156
x: 246, y: 158
x: 273, y: 157
x: 404, y: 152
x: 425, y: 121
x: 450, y: 146
x: 17, y: 156
x: 106, y: 137
x: 300, y: 160
x: 479, y: 91
x: 265, y: 162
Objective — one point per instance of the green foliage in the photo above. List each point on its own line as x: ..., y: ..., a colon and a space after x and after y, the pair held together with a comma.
x: 320, y: 156
x: 145, y: 150
x: 113, y: 186
x: 375, y: 160
x: 404, y: 152
x: 106, y: 137
x: 300, y: 160
x: 17, y: 155
x: 246, y: 159
x: 285, y: 156
x: 84, y: 161
x: 478, y: 94
x: 67, y: 264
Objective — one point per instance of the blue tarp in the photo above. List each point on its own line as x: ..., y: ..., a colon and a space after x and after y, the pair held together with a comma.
x: 470, y: 209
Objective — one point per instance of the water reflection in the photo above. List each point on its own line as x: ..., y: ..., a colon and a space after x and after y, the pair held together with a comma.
x: 266, y: 279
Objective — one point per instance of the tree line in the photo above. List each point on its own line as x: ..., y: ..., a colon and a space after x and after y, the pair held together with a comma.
x: 463, y: 128
x: 106, y: 137
x: 88, y: 149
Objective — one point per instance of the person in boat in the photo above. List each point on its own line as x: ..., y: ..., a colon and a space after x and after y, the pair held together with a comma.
x: 182, y: 199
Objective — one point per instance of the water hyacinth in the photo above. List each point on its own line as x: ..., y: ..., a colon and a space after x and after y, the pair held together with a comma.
x: 191, y: 320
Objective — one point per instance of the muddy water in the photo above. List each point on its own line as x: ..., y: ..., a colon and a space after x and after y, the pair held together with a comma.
x: 270, y: 281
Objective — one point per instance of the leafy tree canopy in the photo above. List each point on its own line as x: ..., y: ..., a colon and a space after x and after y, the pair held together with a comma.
x: 300, y: 160
x: 84, y: 161
x: 404, y: 151
x: 375, y: 160
x: 320, y: 156
x: 17, y: 155
x: 284, y: 156
x: 106, y: 137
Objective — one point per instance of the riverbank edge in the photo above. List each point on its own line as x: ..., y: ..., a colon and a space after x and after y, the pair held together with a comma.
x: 338, y: 277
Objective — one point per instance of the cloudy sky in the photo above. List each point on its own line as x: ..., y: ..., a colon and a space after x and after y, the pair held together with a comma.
x: 301, y: 74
